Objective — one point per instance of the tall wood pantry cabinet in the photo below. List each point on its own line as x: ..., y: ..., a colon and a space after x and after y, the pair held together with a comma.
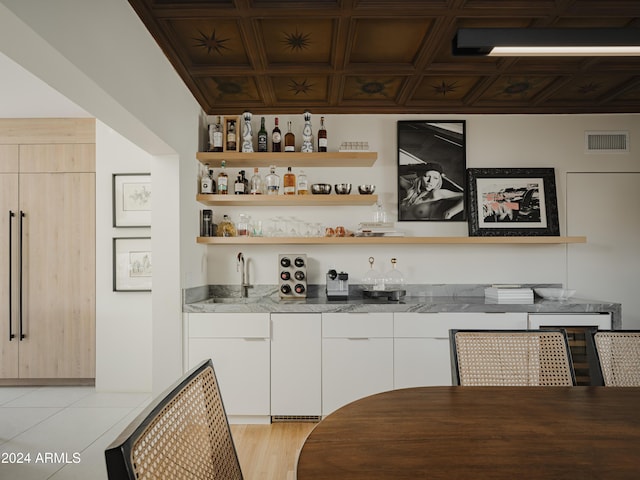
x: 47, y: 251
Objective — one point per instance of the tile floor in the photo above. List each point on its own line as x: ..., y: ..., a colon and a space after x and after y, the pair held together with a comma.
x: 63, y: 430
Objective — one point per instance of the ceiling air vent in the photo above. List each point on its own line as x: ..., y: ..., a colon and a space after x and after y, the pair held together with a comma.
x: 607, y: 142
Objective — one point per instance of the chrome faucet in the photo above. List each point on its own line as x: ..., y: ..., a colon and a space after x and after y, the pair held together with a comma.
x: 243, y: 268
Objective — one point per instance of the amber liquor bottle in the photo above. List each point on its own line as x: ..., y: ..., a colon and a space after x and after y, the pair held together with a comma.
x: 289, y: 140
x: 289, y: 182
x: 276, y: 138
x: 322, y: 137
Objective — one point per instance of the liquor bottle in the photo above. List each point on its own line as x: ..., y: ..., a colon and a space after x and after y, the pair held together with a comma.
x: 276, y: 138
x: 206, y: 182
x: 273, y: 181
x: 215, y: 136
x: 256, y: 185
x: 223, y: 180
x: 238, y: 186
x: 262, y: 137
x: 307, y: 134
x: 289, y: 182
x: 322, y: 137
x: 303, y: 185
x: 289, y: 140
x: 231, y: 136
x: 247, y: 133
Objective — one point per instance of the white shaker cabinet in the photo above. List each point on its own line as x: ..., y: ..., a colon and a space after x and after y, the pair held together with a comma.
x: 421, y: 343
x: 357, y: 357
x: 296, y: 365
x: 239, y: 345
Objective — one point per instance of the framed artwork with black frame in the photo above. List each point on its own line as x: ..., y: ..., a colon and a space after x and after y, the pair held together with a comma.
x: 132, y: 266
x: 131, y: 199
x: 431, y: 170
x: 512, y: 202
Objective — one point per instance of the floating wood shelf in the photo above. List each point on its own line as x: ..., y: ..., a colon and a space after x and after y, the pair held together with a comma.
x: 282, y: 159
x: 286, y: 200
x: 388, y: 240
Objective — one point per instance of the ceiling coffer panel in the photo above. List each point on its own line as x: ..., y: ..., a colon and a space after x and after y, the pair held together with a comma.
x: 384, y: 56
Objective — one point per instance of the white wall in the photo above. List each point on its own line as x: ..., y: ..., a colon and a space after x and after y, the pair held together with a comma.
x: 492, y: 141
x: 99, y: 55
x: 123, y: 319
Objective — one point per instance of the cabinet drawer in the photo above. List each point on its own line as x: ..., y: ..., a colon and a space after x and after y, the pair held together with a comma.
x: 437, y: 325
x: 357, y: 325
x: 541, y: 320
x: 229, y: 325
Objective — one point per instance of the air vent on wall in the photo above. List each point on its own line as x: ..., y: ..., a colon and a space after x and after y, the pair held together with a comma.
x: 607, y: 142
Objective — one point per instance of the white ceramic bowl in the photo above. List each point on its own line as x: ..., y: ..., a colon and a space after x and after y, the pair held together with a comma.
x: 554, y: 293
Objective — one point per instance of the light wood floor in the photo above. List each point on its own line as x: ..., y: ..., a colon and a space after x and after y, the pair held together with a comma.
x: 269, y: 452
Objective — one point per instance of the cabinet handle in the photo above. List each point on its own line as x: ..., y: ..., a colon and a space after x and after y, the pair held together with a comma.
x: 357, y: 338
x: 22, y: 215
x: 11, y: 334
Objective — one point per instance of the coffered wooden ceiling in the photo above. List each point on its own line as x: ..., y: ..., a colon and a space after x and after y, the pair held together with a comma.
x: 385, y: 56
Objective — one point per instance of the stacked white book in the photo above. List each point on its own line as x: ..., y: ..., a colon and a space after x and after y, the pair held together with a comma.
x: 378, y: 229
x: 509, y: 294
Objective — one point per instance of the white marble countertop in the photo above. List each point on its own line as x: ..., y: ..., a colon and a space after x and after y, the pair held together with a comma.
x: 265, y: 300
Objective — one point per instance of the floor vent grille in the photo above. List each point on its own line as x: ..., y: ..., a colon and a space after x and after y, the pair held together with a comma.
x: 607, y: 142
x: 295, y: 418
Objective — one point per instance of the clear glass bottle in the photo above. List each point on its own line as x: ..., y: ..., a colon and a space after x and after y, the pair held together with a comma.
x: 307, y: 134
x: 393, y: 278
x: 256, y: 184
x: 231, y: 136
x: 273, y: 181
x: 276, y: 138
x: 223, y: 180
x: 322, y: 136
x: 244, y: 223
x: 289, y: 182
x: 215, y: 136
x: 206, y: 182
x: 289, y: 139
x: 262, y: 137
x: 303, y: 184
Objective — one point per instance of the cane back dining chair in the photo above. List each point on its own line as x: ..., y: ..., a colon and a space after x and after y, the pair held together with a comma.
x: 619, y: 356
x: 511, y: 358
x: 183, y: 435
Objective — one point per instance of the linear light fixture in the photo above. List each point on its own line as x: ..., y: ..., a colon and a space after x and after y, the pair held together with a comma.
x: 547, y: 42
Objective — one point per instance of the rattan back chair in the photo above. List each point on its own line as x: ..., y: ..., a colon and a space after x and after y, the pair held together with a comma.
x: 511, y: 358
x: 183, y: 435
x: 619, y: 356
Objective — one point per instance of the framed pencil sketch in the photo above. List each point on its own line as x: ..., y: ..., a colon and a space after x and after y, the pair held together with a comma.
x: 431, y: 170
x: 132, y: 264
x: 512, y: 202
x: 132, y: 200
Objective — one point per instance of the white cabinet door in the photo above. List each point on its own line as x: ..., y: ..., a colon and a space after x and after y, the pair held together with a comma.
x: 239, y: 346
x: 296, y: 364
x: 357, y: 357
x: 422, y: 353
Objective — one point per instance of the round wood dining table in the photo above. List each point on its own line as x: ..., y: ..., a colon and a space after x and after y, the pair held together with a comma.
x: 509, y: 433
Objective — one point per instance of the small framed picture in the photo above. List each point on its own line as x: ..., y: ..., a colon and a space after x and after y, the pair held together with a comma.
x: 512, y: 202
x: 132, y: 264
x: 132, y: 200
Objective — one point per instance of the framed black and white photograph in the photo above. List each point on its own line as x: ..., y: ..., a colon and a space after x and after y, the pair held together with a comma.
x: 431, y: 170
x: 132, y: 264
x: 132, y: 200
x: 512, y: 202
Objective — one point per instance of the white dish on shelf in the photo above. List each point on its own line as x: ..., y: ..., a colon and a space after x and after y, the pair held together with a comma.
x: 554, y: 293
